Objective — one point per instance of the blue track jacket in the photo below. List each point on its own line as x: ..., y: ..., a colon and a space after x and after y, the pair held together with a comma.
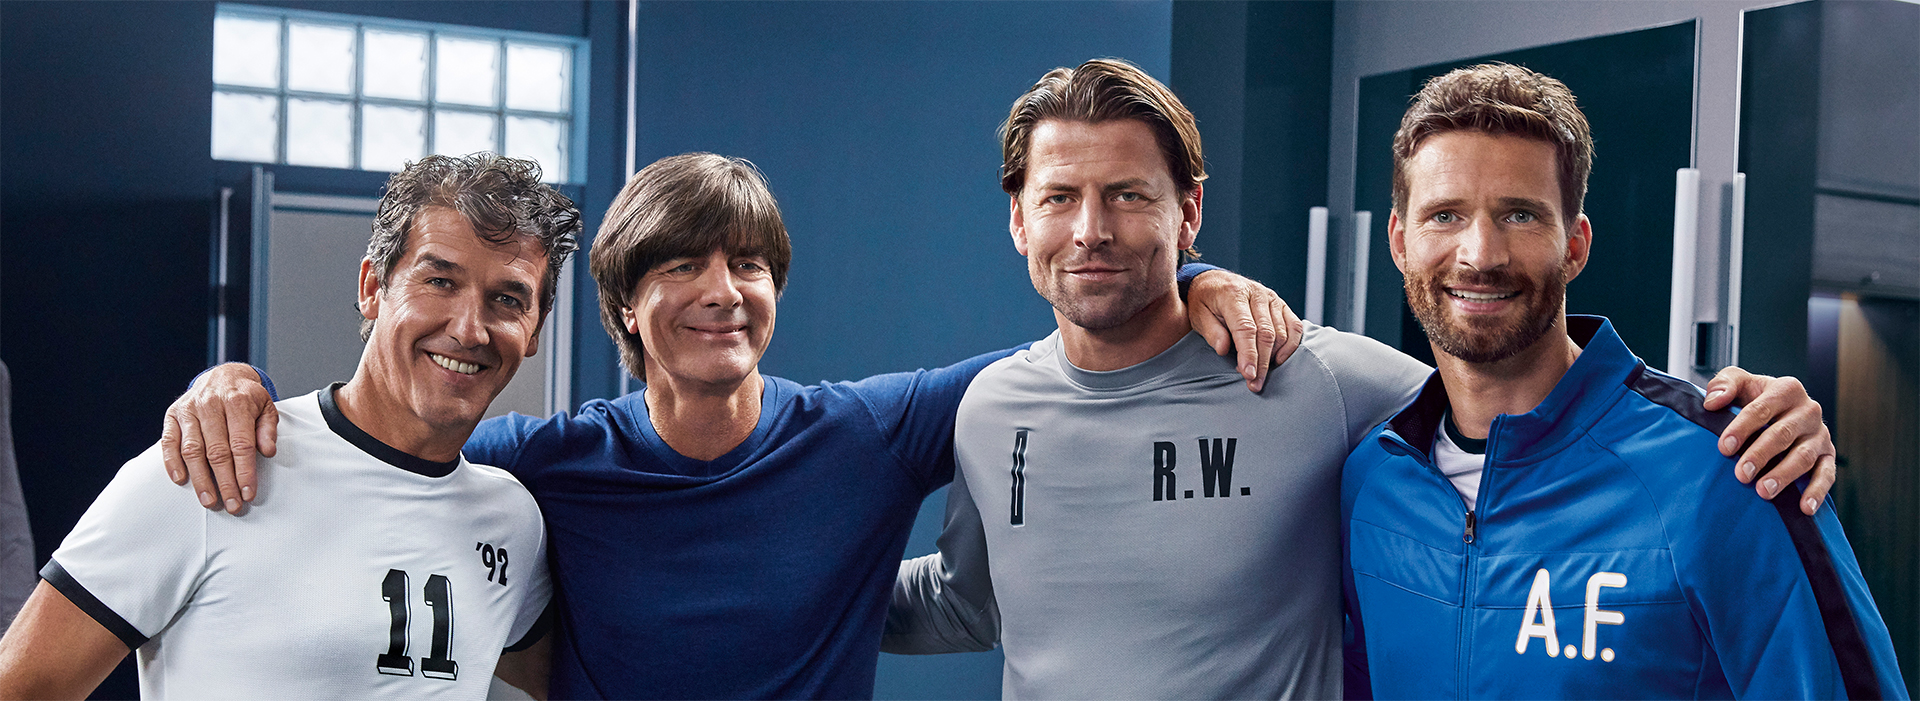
x: 1612, y: 555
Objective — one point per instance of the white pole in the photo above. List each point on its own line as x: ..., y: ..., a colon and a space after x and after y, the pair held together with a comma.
x: 633, y: 133
x: 1686, y: 239
x: 1317, y: 264
x: 1736, y: 265
x: 1362, y: 241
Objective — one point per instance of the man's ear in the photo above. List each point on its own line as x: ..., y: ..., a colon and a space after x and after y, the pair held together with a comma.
x: 1017, y: 223
x: 369, y: 290
x: 1579, y: 245
x: 1190, y: 217
x: 1396, y: 241
x: 630, y: 319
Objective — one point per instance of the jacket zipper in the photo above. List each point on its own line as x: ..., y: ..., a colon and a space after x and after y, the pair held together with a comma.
x: 1461, y: 661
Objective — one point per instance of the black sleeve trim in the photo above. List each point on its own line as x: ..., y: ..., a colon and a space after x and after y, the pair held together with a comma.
x: 1678, y: 395
x: 90, y: 604
x: 1849, y: 646
x: 539, y: 630
x: 1843, y: 632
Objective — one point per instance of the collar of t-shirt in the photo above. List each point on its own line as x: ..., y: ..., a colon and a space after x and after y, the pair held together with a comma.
x: 1460, y: 458
x: 372, y: 446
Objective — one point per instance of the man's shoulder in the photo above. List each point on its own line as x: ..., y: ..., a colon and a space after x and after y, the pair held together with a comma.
x: 1659, y: 420
x: 1353, y: 358
x: 1033, y: 362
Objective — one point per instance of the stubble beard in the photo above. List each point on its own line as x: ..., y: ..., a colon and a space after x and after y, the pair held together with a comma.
x: 1483, y: 341
x: 1098, y: 311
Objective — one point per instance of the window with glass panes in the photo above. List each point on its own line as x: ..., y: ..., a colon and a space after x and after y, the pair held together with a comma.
x: 341, y: 91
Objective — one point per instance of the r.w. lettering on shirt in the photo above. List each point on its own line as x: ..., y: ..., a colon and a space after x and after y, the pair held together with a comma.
x: 1216, y: 469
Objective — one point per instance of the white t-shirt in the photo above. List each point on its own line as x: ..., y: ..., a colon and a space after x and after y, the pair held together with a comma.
x: 358, y: 572
x: 1462, y: 468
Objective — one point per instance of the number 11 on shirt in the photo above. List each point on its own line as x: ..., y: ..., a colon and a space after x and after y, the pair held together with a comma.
x: 439, y: 596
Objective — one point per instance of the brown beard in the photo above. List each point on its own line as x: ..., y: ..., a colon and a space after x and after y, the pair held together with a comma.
x: 1483, y: 341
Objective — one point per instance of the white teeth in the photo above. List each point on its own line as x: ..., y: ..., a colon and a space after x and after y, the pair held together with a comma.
x: 1479, y: 296
x: 454, y: 365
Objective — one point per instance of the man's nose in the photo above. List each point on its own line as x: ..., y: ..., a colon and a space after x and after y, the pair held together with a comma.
x: 1090, y: 228
x: 1483, y: 246
x: 468, y: 325
x: 718, y: 288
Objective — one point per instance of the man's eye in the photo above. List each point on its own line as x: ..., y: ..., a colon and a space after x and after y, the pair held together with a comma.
x: 1446, y: 218
x: 1056, y: 199
x: 681, y: 268
x: 752, y: 265
x: 439, y: 282
x: 1128, y: 197
x: 511, y: 302
x: 1522, y: 217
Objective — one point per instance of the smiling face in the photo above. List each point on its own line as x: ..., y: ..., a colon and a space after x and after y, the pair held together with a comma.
x: 1485, y: 248
x: 1100, y: 220
x: 451, y: 325
x: 703, y: 321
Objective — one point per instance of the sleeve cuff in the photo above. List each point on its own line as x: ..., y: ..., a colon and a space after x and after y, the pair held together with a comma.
x: 91, y: 605
x: 534, y: 633
x: 1190, y: 271
x: 268, y: 381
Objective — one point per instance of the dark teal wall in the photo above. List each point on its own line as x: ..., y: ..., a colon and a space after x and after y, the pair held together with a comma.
x: 1256, y: 75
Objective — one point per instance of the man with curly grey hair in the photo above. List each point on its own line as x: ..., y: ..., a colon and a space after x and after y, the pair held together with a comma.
x: 305, y: 598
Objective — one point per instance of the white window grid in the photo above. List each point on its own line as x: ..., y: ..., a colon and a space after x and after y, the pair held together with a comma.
x: 572, y: 120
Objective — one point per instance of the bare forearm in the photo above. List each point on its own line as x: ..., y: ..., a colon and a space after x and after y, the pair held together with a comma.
x: 55, y: 651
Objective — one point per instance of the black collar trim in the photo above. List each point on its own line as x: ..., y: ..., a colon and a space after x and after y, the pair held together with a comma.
x: 372, y: 446
x: 1475, y: 446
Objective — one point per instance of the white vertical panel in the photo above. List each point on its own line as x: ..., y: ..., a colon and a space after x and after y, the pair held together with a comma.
x: 1362, y: 242
x: 1317, y: 264
x: 1686, y: 234
x: 633, y: 143
x: 1736, y: 265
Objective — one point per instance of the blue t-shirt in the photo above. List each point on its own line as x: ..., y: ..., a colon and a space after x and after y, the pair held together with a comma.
x: 762, y: 574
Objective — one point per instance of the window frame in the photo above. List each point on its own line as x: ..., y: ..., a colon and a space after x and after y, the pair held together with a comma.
x: 572, y: 171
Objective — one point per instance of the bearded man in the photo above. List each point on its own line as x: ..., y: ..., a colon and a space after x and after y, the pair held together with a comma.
x: 1544, y: 462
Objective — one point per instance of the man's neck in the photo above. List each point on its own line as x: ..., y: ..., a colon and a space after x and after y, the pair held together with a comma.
x: 1478, y: 392
x: 704, y: 422
x: 388, y: 421
x: 1149, y: 333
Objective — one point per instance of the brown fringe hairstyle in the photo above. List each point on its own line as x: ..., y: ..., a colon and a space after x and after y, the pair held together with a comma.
x: 680, y: 206
x: 1497, y: 99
